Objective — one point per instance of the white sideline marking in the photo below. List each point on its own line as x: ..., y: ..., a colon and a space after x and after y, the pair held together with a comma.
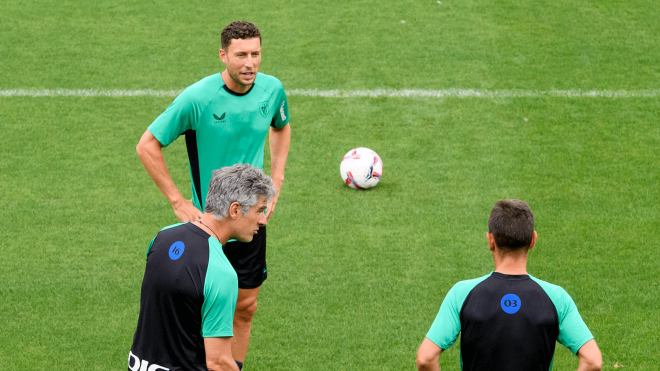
x: 340, y: 93
x: 475, y: 93
x: 87, y: 93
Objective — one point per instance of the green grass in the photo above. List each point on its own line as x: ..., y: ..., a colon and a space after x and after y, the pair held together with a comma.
x: 355, y: 278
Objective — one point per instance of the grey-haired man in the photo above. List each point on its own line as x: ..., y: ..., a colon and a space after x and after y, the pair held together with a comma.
x: 189, y: 288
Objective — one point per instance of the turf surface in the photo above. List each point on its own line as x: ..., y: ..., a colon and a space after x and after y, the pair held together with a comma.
x: 355, y: 278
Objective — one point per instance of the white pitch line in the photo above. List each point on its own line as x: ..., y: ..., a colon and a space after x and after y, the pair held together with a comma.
x: 88, y: 93
x: 342, y: 93
x: 476, y: 93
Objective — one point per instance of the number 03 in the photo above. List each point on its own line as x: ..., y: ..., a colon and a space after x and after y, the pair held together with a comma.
x: 511, y: 303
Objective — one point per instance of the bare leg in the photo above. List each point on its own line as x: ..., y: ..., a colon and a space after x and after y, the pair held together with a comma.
x: 246, y: 305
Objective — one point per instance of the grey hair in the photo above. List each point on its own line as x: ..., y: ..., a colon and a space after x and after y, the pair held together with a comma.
x: 239, y: 183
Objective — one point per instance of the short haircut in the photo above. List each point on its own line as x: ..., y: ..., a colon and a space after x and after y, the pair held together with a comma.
x: 238, y: 30
x: 511, y: 223
x: 239, y: 183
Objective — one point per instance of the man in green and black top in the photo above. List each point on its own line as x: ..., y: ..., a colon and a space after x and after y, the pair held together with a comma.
x: 225, y: 118
x: 508, y: 319
x: 189, y: 288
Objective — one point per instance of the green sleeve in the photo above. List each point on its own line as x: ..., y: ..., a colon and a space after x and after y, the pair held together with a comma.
x: 149, y: 248
x: 447, y: 324
x: 281, y: 117
x: 220, y: 294
x: 573, y: 332
x: 180, y: 116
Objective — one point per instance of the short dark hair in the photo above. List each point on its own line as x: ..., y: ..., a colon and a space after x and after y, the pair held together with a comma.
x: 511, y: 223
x: 238, y: 30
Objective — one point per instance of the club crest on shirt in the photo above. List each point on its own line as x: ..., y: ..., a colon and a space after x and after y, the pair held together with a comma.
x: 263, y: 108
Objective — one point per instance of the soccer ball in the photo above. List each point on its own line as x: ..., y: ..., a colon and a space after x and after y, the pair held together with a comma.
x: 361, y: 168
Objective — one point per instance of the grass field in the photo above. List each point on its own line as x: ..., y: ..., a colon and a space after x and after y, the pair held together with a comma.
x: 355, y: 278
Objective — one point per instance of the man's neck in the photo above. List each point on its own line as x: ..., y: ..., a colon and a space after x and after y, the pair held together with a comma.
x: 511, y: 263
x: 233, y: 85
x: 217, y: 228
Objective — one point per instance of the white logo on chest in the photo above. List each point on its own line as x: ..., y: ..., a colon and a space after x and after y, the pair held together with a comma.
x: 142, y: 366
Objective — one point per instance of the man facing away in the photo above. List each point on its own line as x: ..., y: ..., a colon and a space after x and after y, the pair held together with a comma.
x: 225, y: 118
x: 508, y: 319
x: 189, y: 288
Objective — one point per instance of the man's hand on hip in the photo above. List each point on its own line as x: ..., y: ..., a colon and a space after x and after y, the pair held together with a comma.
x: 271, y: 207
x: 186, y: 211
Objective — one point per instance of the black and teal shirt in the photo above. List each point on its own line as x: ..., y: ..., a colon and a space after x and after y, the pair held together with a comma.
x: 189, y: 292
x: 221, y: 127
x: 508, y: 323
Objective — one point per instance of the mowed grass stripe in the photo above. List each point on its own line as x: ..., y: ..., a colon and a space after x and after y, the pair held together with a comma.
x: 341, y: 93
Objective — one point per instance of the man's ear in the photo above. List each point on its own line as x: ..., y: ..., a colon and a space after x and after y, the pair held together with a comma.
x: 234, y: 210
x: 223, y: 55
x: 491, y: 241
x: 531, y: 245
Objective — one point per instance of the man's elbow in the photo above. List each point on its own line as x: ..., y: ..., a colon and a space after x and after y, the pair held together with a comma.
x: 598, y: 366
x: 222, y: 364
x: 147, y: 145
x: 593, y: 364
x: 426, y: 362
x: 141, y: 147
x: 590, y: 357
x: 422, y: 364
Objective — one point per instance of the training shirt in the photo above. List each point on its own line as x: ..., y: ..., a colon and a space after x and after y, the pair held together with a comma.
x: 508, y: 322
x: 221, y: 127
x: 189, y: 292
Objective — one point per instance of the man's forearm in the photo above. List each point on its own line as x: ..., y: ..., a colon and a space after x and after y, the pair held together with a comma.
x: 279, y: 140
x: 222, y: 364
x: 150, y: 152
x: 218, y: 354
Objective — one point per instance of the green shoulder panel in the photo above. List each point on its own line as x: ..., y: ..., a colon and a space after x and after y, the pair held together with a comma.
x: 447, y: 324
x: 154, y: 239
x: 269, y: 84
x: 220, y: 294
x: 573, y: 332
x: 184, y: 113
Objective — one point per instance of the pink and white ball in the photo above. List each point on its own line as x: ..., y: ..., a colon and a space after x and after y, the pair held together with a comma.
x: 361, y: 168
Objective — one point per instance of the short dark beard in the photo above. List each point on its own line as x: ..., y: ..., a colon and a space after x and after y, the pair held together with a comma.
x: 235, y: 78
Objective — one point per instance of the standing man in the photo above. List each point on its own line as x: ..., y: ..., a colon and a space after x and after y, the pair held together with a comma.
x: 189, y: 288
x: 508, y: 319
x: 225, y: 118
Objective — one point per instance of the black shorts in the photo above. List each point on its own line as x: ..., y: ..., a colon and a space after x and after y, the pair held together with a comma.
x: 248, y: 260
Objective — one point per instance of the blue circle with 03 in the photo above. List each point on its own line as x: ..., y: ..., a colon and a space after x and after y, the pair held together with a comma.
x: 176, y: 250
x: 510, y: 303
